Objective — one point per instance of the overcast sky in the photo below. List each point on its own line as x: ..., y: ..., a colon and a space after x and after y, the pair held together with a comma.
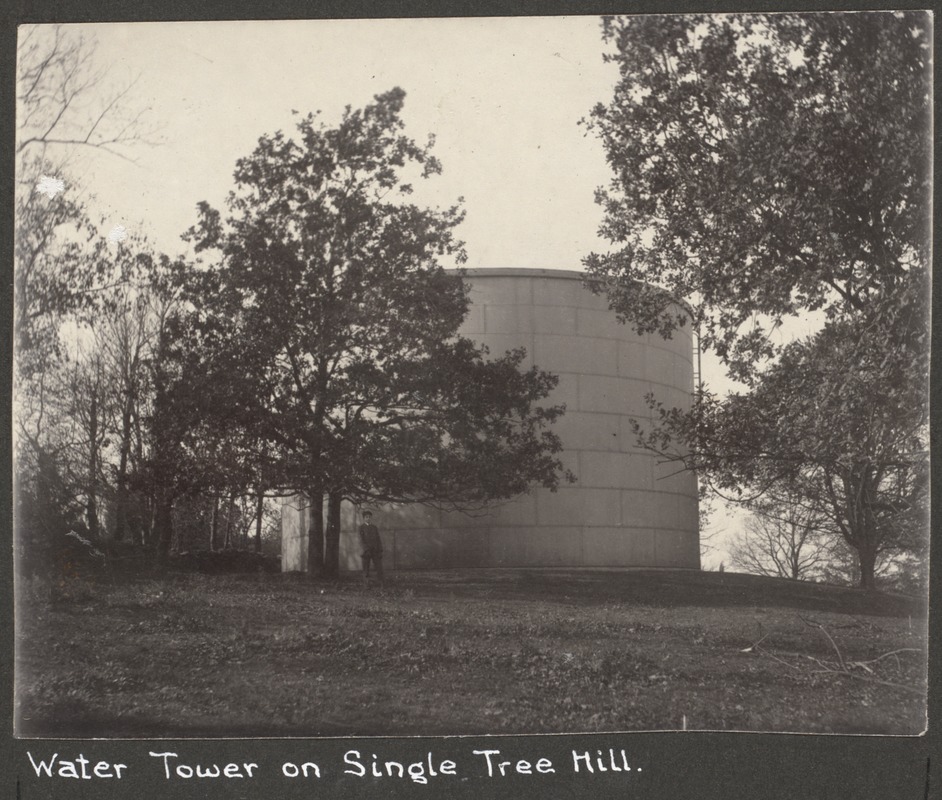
x: 503, y: 96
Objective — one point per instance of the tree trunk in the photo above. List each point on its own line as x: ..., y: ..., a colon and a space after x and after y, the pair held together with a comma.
x: 332, y: 537
x: 227, y: 542
x: 150, y: 527
x: 214, y: 529
x: 121, y: 500
x: 259, y: 511
x: 867, y: 559
x: 164, y: 527
x: 795, y: 564
x: 91, y: 507
x: 141, y: 505
x: 315, y: 536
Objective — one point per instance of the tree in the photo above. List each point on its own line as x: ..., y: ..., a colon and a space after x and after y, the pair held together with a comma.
x: 837, y: 425
x: 64, y: 273
x: 338, y: 329
x: 786, y: 541
x: 61, y: 99
x: 124, y: 340
x: 765, y: 165
x: 203, y: 417
x: 63, y: 105
x: 59, y: 266
x: 185, y: 455
x: 843, y: 566
x: 88, y: 402
x: 768, y: 167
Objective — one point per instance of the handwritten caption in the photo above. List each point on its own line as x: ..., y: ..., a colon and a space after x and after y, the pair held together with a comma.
x: 487, y: 763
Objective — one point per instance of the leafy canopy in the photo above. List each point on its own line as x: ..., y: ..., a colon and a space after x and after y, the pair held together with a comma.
x: 768, y: 167
x: 765, y: 166
x: 332, y: 325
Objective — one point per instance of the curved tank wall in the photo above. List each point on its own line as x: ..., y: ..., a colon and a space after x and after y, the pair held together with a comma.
x: 624, y: 510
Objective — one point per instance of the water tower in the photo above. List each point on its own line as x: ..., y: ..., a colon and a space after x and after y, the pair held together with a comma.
x: 625, y: 509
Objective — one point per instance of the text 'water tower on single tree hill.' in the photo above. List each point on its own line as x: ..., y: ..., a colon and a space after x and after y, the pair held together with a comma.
x: 624, y: 510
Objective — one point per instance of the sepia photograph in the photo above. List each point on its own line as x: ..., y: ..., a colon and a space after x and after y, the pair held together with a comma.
x: 472, y: 376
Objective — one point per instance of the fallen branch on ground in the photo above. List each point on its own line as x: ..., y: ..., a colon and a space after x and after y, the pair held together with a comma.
x: 842, y: 666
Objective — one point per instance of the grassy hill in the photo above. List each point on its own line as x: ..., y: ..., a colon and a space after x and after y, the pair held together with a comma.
x: 461, y: 652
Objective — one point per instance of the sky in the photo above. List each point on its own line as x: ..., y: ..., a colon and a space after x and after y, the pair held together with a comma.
x: 503, y: 97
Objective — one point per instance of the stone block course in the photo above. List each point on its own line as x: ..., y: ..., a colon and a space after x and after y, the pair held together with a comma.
x: 558, y: 320
x: 578, y: 354
x: 508, y: 319
x: 610, y: 395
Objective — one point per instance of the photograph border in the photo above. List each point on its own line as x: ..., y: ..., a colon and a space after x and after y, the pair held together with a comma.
x: 675, y: 765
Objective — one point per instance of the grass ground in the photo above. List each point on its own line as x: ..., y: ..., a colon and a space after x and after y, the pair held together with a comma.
x: 484, y: 651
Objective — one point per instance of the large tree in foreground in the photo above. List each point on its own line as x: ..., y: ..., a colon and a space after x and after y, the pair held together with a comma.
x: 339, y: 326
x: 768, y: 167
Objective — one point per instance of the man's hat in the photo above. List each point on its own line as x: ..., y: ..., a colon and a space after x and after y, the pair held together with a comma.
x: 367, y: 513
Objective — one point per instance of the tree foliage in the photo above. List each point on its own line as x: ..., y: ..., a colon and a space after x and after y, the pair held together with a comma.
x: 768, y: 167
x: 67, y: 277
x: 333, y: 329
x: 765, y: 166
x: 65, y: 107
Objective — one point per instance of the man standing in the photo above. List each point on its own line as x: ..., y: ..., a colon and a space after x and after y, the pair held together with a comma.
x: 371, y: 548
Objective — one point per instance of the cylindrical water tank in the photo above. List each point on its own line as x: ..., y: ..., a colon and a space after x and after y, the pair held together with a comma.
x: 624, y: 510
